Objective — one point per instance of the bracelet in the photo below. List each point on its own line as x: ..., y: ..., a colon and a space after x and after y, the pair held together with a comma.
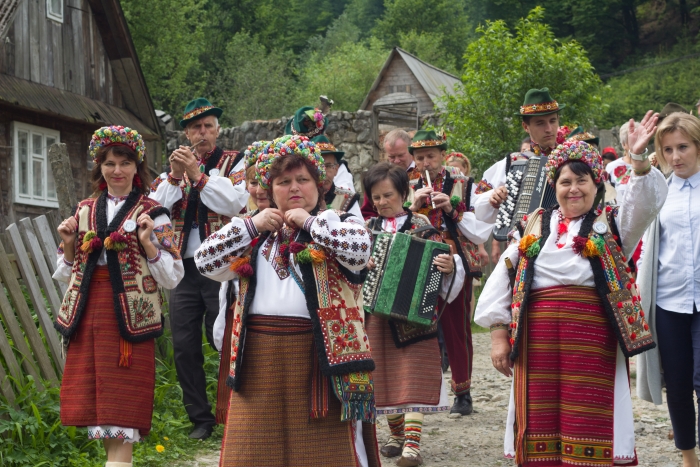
x: 499, y: 326
x: 642, y: 172
x: 640, y: 157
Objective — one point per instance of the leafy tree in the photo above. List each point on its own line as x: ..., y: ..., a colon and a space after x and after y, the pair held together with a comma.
x: 169, y: 45
x: 426, y: 22
x: 428, y: 47
x: 345, y: 75
x: 252, y: 82
x: 500, y: 68
x: 631, y: 95
x: 342, y: 31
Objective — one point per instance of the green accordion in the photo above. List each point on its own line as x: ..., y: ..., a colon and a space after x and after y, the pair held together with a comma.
x: 405, y: 284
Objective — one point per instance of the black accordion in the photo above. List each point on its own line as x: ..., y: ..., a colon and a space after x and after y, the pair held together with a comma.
x: 404, y: 284
x: 528, y: 190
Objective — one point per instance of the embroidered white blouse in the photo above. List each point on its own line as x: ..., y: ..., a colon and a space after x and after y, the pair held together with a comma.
x: 642, y: 201
x: 279, y: 291
x: 166, y: 269
x: 219, y: 194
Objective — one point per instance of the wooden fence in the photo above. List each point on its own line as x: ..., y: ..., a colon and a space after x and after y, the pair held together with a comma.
x: 29, y: 344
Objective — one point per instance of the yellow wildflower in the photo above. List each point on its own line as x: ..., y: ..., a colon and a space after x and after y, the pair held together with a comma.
x: 160, y: 448
x: 166, y: 438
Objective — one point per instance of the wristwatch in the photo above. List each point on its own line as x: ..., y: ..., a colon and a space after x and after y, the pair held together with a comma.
x: 640, y: 157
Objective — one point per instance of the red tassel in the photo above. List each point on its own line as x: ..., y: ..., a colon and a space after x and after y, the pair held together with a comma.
x: 138, y: 183
x: 579, y: 244
x: 245, y: 271
x: 296, y: 247
x: 125, y: 351
x: 96, y: 244
x: 283, y: 249
x: 563, y: 228
x: 103, y: 185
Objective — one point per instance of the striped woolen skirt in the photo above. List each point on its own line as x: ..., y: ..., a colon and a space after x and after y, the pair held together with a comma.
x: 95, y: 390
x: 565, y: 380
x: 404, y: 376
x: 269, y: 421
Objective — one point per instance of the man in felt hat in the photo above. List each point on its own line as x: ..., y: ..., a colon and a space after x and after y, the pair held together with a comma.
x: 445, y: 196
x: 579, y: 134
x: 336, y: 197
x: 540, y: 120
x: 311, y: 122
x: 670, y: 108
x: 204, y: 189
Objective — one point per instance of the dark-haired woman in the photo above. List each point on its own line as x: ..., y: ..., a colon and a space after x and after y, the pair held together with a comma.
x: 408, y: 378
x: 573, y: 316
x: 300, y: 365
x: 115, y: 252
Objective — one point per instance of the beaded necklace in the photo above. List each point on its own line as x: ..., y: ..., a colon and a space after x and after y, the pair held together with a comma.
x: 563, y: 227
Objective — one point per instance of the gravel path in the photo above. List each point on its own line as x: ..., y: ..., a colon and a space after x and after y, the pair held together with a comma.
x: 477, y: 440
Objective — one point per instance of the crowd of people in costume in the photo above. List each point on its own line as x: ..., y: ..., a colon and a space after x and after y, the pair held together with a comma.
x: 270, y: 250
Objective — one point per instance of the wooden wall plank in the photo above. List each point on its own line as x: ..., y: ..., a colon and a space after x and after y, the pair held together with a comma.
x: 34, y: 41
x: 48, y: 247
x: 67, y: 50
x: 8, y: 354
x: 22, y: 41
x: 25, y: 317
x: 78, y: 51
x: 45, y: 45
x: 31, y: 282
x: 13, y: 327
x: 5, y: 387
x: 57, y: 54
x: 89, y: 53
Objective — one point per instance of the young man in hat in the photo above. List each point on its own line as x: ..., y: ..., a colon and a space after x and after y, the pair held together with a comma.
x: 540, y: 120
x: 336, y: 197
x: 204, y: 189
x: 579, y: 134
x: 445, y: 196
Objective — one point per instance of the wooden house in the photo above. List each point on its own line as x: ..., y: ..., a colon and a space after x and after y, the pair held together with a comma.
x: 67, y: 67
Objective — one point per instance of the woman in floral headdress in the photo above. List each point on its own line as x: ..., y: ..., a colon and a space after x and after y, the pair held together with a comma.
x: 572, y: 317
x: 115, y: 251
x: 300, y: 365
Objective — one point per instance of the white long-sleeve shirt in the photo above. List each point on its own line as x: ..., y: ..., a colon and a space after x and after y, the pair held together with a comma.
x: 165, y: 269
x: 642, y: 201
x: 219, y: 194
x: 678, y: 283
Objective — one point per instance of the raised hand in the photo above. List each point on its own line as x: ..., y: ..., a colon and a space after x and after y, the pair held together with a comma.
x: 641, y: 133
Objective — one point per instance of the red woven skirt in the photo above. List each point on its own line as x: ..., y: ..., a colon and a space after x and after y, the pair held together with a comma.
x: 95, y: 390
x: 409, y: 375
x: 565, y: 380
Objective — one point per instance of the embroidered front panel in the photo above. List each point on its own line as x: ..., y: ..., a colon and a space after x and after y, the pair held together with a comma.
x: 569, y: 451
x: 130, y: 262
x: 237, y: 326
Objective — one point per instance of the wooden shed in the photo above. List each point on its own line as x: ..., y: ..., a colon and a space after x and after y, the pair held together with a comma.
x: 406, y: 73
x: 67, y: 67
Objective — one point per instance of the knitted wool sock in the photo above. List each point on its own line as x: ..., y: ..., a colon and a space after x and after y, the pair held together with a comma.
x: 413, y: 424
x: 396, y: 426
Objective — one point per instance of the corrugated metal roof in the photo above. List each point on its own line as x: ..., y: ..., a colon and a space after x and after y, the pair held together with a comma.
x: 45, y: 99
x: 435, y: 81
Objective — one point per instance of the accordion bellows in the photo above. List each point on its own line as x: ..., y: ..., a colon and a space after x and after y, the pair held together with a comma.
x: 405, y: 284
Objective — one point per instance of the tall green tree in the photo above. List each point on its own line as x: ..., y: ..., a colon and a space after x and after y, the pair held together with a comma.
x: 252, y: 82
x: 345, y: 75
x: 420, y: 24
x: 169, y: 45
x: 500, y: 68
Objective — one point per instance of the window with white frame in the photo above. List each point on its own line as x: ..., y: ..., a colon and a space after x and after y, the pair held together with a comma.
x: 54, y: 10
x: 33, y: 178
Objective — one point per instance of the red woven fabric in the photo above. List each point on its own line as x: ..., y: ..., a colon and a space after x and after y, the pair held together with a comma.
x: 457, y: 331
x: 565, y: 380
x: 95, y: 390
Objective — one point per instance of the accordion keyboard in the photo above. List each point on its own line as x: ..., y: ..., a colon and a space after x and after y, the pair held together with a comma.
x: 370, y: 289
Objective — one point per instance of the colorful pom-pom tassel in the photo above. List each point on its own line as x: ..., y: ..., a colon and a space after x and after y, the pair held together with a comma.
x: 236, y: 263
x: 590, y: 250
x: 304, y: 257
x: 526, y: 242
x: 579, y: 244
x: 454, y: 201
x: 245, y: 270
x: 317, y: 256
x: 533, y: 250
x: 296, y: 247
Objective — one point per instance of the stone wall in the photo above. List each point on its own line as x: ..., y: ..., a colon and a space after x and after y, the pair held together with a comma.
x: 348, y: 131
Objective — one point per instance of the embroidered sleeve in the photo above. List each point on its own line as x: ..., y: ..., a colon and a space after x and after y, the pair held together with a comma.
x: 166, y: 267
x: 203, y: 180
x: 237, y: 177
x: 349, y: 241
x: 214, y: 256
x: 496, y: 297
x: 167, y: 194
x: 64, y: 268
x: 165, y: 235
x: 483, y: 186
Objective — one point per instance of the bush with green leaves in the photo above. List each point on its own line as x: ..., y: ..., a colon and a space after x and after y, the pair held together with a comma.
x: 31, y: 433
x: 499, y: 69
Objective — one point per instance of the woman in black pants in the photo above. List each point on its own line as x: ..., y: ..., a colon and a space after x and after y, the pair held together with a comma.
x: 670, y: 283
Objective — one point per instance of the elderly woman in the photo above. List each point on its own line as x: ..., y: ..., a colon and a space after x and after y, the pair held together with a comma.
x: 115, y: 252
x: 300, y: 359
x: 408, y: 378
x: 669, y: 279
x: 573, y: 313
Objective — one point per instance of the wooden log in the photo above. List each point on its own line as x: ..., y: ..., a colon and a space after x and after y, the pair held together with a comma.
x: 63, y: 175
x: 31, y: 243
x: 32, y: 284
x: 44, y: 234
x: 26, y: 319
x: 13, y: 327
